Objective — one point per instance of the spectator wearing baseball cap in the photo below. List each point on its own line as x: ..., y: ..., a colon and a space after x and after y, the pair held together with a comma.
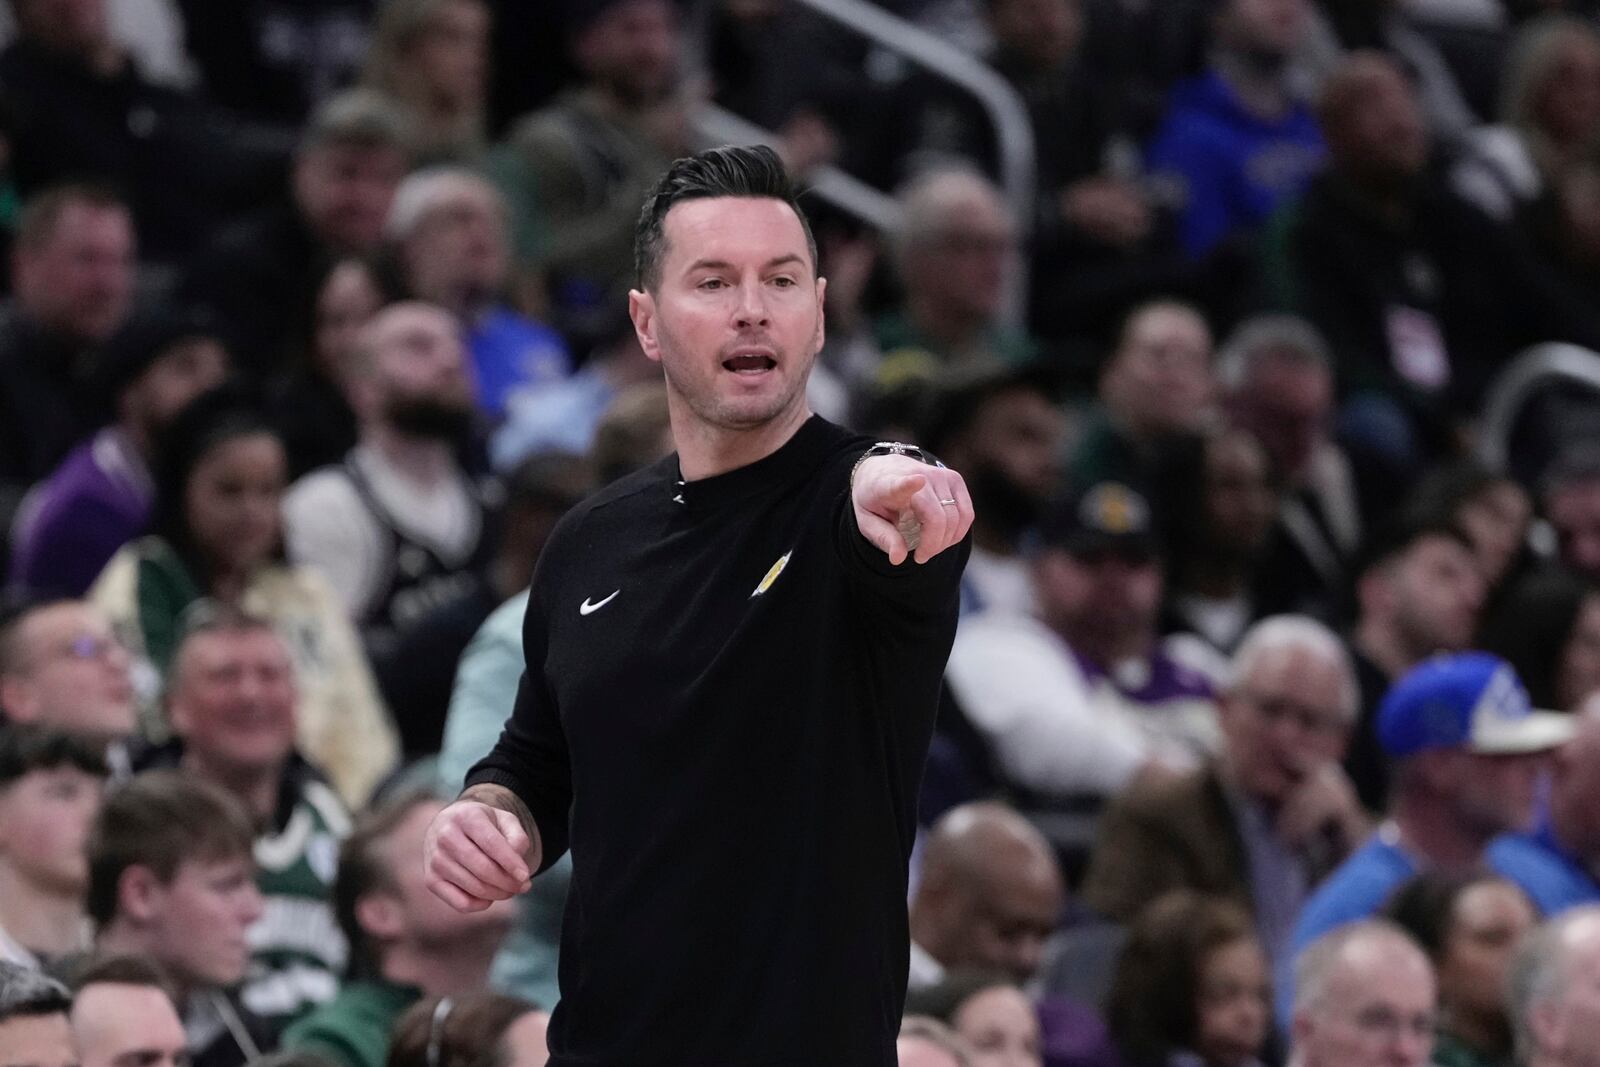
x: 1468, y: 748
x: 1558, y: 863
x: 262, y: 272
x: 1077, y: 698
x: 99, y: 498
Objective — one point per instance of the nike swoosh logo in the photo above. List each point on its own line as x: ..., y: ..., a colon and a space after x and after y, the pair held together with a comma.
x: 587, y: 608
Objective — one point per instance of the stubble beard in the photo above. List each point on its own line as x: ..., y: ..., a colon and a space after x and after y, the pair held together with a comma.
x: 725, y: 414
x: 715, y: 411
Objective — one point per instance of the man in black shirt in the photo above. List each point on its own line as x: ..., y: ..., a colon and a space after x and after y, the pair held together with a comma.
x: 732, y: 670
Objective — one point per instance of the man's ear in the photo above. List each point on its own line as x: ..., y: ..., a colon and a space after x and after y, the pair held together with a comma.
x: 16, y: 697
x: 363, y: 391
x: 822, y: 315
x: 139, y: 893
x: 1440, y: 768
x: 1227, y: 705
x: 1301, y: 1027
x: 642, y: 310
x: 1373, y: 590
x: 1544, y: 1023
x: 381, y: 916
x: 178, y: 715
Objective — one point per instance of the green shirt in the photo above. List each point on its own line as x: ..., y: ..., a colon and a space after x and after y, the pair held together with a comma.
x: 1448, y: 1051
x: 353, y: 1029
x: 1106, y: 453
x: 297, y: 949
x: 909, y: 355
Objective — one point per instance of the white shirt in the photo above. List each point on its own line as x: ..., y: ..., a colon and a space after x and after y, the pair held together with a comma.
x: 13, y: 951
x: 1054, y: 729
x: 327, y: 524
x: 997, y: 583
x: 925, y: 971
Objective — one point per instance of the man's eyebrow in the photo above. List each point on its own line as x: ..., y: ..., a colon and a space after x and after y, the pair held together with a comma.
x: 722, y: 264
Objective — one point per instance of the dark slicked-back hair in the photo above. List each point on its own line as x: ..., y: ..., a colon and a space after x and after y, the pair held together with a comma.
x: 752, y: 171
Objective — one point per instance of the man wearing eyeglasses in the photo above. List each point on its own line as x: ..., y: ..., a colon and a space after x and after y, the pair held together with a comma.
x: 1261, y: 824
x: 61, y: 666
x: 1365, y: 994
x: 1085, y: 697
x: 1469, y: 751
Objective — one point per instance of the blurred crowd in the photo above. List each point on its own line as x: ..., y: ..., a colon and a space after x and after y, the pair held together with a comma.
x: 1271, y: 733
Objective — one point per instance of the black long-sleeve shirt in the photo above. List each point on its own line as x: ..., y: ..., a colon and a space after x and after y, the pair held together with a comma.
x: 728, y: 700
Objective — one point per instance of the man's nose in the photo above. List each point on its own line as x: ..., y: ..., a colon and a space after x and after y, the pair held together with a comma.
x: 251, y: 905
x: 752, y: 309
x: 1411, y: 1049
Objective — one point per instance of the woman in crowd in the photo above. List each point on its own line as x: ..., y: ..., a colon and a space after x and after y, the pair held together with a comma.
x: 481, y: 1029
x: 310, y: 405
x: 431, y: 58
x: 1548, y: 626
x: 1191, y: 988
x: 990, y: 1012
x: 1549, y: 116
x: 217, y: 533
x: 1470, y: 926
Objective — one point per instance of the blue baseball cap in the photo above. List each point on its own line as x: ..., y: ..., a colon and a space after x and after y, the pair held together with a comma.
x: 1467, y: 700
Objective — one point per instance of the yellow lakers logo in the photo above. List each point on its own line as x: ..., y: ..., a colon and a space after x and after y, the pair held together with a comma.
x: 1113, y: 508
x: 772, y: 574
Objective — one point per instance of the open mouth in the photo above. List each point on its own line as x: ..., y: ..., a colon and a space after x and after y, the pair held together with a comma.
x: 749, y: 363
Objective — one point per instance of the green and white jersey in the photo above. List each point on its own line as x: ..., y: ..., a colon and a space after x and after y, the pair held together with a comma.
x: 298, y: 952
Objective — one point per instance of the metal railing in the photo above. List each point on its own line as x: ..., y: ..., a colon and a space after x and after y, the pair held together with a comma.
x: 1013, y: 128
x: 1531, y: 371
x: 876, y: 208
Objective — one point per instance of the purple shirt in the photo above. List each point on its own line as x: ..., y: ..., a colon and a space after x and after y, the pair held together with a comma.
x: 73, y: 522
x: 1073, y: 1035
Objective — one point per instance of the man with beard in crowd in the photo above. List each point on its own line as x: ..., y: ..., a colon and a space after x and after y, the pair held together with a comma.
x: 1000, y: 428
x: 1417, y: 594
x: 584, y: 164
x: 399, y: 526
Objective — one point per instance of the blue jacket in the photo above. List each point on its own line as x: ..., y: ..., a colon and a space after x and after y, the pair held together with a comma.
x: 511, y: 353
x: 1235, y: 167
x: 1553, y: 878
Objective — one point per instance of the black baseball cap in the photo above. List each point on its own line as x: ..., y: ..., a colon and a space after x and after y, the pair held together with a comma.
x: 146, y: 337
x: 1108, y: 516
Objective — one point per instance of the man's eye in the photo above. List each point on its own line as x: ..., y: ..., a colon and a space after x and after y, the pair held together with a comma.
x: 783, y: 281
x: 711, y: 283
